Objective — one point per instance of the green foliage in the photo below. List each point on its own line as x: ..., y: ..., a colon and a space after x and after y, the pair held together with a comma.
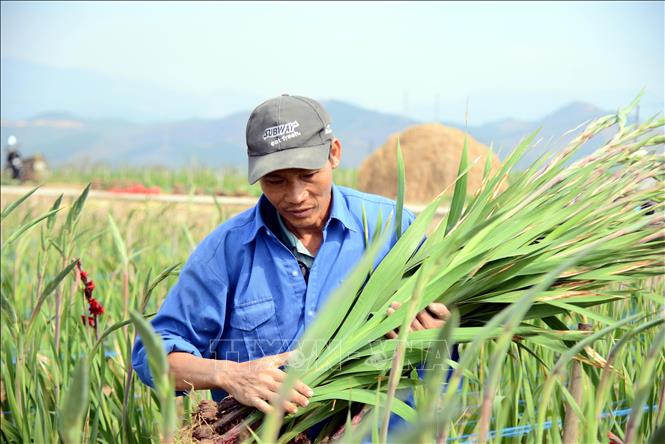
x: 75, y: 403
x: 401, y: 191
x: 548, y: 245
x: 12, y: 206
x: 519, y: 268
x: 45, y: 344
x: 159, y: 369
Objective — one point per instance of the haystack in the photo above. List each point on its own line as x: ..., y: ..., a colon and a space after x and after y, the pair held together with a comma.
x: 432, y: 154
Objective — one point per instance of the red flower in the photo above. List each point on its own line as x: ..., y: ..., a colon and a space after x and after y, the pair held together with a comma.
x: 91, y: 320
x: 95, y: 307
x: 89, y: 287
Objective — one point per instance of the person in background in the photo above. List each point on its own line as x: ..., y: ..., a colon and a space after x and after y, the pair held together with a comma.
x: 14, y: 160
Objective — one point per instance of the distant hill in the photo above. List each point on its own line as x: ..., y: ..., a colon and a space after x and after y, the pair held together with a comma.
x: 66, y: 139
x: 214, y: 142
x: 506, y: 134
x: 43, y: 105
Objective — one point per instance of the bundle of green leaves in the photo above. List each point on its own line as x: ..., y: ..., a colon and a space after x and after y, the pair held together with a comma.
x: 547, y: 244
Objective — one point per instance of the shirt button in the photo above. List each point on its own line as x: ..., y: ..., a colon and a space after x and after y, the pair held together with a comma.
x: 311, y: 313
x: 294, y: 273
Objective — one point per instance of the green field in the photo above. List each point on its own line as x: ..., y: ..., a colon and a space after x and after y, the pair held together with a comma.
x: 583, y: 255
x: 193, y: 180
x: 125, y: 259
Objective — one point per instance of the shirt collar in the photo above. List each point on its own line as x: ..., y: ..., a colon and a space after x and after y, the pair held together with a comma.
x: 291, y: 239
x: 340, y: 211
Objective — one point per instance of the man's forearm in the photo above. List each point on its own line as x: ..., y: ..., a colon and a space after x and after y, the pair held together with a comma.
x: 194, y: 373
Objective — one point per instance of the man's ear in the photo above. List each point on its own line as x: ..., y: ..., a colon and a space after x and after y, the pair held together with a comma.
x: 335, y: 155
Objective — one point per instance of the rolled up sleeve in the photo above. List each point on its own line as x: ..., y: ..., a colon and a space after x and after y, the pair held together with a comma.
x: 192, y: 316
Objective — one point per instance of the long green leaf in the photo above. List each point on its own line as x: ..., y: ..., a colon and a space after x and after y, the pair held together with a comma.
x: 55, y: 206
x: 75, y: 404
x: 459, y: 196
x: 159, y: 370
x: 50, y: 288
x: 12, y: 206
x: 401, y: 191
x: 16, y: 234
x: 119, y: 242
x: 76, y: 208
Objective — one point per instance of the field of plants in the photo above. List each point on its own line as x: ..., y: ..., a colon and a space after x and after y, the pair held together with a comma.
x: 190, y: 180
x: 555, y: 284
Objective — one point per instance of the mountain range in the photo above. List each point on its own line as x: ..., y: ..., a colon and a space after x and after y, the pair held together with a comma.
x: 67, y: 139
x: 152, y: 131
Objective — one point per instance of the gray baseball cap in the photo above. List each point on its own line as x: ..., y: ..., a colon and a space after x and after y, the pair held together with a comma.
x: 287, y: 132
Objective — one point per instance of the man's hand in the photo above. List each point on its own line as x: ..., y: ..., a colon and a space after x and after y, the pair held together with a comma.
x: 433, y: 316
x: 256, y: 383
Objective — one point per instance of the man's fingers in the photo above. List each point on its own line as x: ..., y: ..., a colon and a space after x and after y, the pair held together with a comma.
x: 416, y: 325
x: 262, y: 405
x: 439, y: 310
x: 304, y: 389
x: 428, y: 321
x: 299, y: 393
x: 394, y: 305
x: 289, y: 407
x: 299, y: 398
x: 272, y: 398
x: 391, y: 334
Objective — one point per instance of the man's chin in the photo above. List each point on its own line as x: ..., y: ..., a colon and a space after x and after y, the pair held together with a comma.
x: 301, y: 222
x: 297, y: 218
x: 308, y: 221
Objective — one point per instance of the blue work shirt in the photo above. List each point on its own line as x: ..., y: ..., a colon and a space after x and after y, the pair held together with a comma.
x: 241, y: 295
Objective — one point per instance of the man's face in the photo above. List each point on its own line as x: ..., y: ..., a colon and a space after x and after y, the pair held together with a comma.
x: 303, y: 197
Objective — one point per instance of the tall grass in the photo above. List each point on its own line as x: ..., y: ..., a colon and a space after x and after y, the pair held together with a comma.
x: 45, y: 345
x: 63, y: 380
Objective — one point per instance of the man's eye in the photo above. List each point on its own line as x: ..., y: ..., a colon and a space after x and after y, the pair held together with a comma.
x: 309, y: 176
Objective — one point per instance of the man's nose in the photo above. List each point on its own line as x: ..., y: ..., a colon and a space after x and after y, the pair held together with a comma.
x: 296, y: 193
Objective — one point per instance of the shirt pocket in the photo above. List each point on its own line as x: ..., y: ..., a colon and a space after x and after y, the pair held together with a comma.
x: 258, y: 327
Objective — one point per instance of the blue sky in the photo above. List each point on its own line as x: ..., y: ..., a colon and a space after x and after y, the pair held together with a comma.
x: 424, y: 59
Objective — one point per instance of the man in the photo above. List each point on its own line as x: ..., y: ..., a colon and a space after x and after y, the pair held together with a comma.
x: 14, y: 160
x: 253, y: 285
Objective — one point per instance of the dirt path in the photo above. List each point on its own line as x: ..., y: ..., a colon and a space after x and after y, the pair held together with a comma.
x: 10, y: 192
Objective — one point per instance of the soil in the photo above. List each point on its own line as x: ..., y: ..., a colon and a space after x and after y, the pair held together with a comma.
x: 222, y: 423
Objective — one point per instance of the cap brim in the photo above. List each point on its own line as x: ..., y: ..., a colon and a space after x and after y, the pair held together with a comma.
x: 308, y: 158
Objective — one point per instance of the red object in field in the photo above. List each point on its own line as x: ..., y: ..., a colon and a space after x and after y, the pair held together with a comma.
x: 136, y: 189
x: 94, y: 307
x: 613, y: 439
